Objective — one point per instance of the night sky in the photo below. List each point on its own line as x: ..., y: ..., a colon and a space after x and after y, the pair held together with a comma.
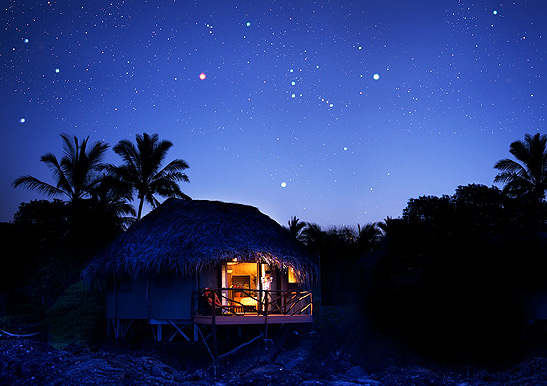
x: 337, y: 112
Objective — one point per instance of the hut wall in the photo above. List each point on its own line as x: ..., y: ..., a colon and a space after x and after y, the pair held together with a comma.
x: 209, y: 278
x: 171, y: 297
x: 131, y: 301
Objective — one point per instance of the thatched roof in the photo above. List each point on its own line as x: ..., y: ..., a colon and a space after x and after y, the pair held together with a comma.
x: 184, y: 237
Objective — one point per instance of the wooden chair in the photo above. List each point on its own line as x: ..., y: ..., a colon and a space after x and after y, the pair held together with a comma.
x: 214, y: 302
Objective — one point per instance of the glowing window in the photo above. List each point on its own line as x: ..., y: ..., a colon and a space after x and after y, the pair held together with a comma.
x: 292, y: 276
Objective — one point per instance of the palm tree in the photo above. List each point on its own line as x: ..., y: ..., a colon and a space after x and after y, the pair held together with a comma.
x: 314, y: 237
x: 368, y: 237
x: 110, y: 199
x: 75, y: 176
x: 389, y: 225
x: 526, y: 177
x: 142, y: 170
x: 296, y: 227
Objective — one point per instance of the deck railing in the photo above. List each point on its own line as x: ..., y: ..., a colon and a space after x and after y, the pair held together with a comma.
x: 237, y: 301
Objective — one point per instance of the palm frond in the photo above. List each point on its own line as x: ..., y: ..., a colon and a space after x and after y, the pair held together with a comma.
x: 296, y: 227
x: 128, y: 152
x: 177, y: 165
x: 507, y: 164
x: 32, y: 183
x: 142, y: 169
x: 160, y: 151
x: 58, y: 172
x: 529, y: 174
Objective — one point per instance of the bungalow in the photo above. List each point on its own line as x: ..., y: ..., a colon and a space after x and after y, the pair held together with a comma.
x: 194, y: 262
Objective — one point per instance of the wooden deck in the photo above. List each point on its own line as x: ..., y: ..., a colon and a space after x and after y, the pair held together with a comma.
x: 258, y: 307
x: 252, y: 319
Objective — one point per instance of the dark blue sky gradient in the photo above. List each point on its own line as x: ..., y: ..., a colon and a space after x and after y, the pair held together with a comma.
x: 458, y: 82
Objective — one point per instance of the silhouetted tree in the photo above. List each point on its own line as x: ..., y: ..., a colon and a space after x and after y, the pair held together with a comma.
x: 313, y: 237
x: 64, y: 234
x: 142, y: 169
x: 296, y: 228
x: 110, y: 201
x: 75, y: 175
x: 433, y: 211
x: 389, y: 225
x: 526, y: 181
x: 528, y: 175
x: 48, y: 220
x: 338, y: 251
x: 368, y: 237
x: 453, y: 259
x: 480, y: 209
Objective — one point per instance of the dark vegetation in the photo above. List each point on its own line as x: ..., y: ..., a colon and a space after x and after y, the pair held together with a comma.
x: 455, y: 277
x: 452, y: 278
x: 52, y: 240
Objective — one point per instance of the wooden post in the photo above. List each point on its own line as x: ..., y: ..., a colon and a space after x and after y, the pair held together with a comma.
x: 214, y: 327
x: 266, y: 304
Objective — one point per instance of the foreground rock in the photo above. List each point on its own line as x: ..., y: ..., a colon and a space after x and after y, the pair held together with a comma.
x: 25, y: 363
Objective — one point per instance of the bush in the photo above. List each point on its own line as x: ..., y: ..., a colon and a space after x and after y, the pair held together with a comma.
x: 76, y: 317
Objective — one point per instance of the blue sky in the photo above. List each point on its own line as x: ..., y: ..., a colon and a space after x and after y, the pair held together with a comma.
x: 336, y: 112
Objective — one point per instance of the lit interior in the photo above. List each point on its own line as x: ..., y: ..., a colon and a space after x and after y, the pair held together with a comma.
x: 241, y: 277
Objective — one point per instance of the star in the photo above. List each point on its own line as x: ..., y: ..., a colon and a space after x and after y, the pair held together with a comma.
x: 22, y: 120
x: 57, y: 70
x: 376, y: 76
x: 283, y: 184
x: 202, y: 76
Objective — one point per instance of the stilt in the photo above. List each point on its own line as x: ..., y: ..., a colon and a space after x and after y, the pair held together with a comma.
x: 266, y: 317
x: 205, y: 342
x: 178, y: 330
x: 240, y: 346
x: 215, y: 347
x: 196, y: 332
x: 124, y: 327
x: 157, y: 332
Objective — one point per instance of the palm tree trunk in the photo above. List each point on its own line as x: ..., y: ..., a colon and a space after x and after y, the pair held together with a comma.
x: 140, y: 209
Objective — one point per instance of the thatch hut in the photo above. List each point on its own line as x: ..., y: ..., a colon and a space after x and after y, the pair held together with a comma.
x: 204, y: 262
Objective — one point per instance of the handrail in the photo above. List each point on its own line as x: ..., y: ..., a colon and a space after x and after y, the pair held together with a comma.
x: 207, y: 301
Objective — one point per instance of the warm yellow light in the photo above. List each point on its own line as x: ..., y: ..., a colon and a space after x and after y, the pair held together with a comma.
x: 292, y: 276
